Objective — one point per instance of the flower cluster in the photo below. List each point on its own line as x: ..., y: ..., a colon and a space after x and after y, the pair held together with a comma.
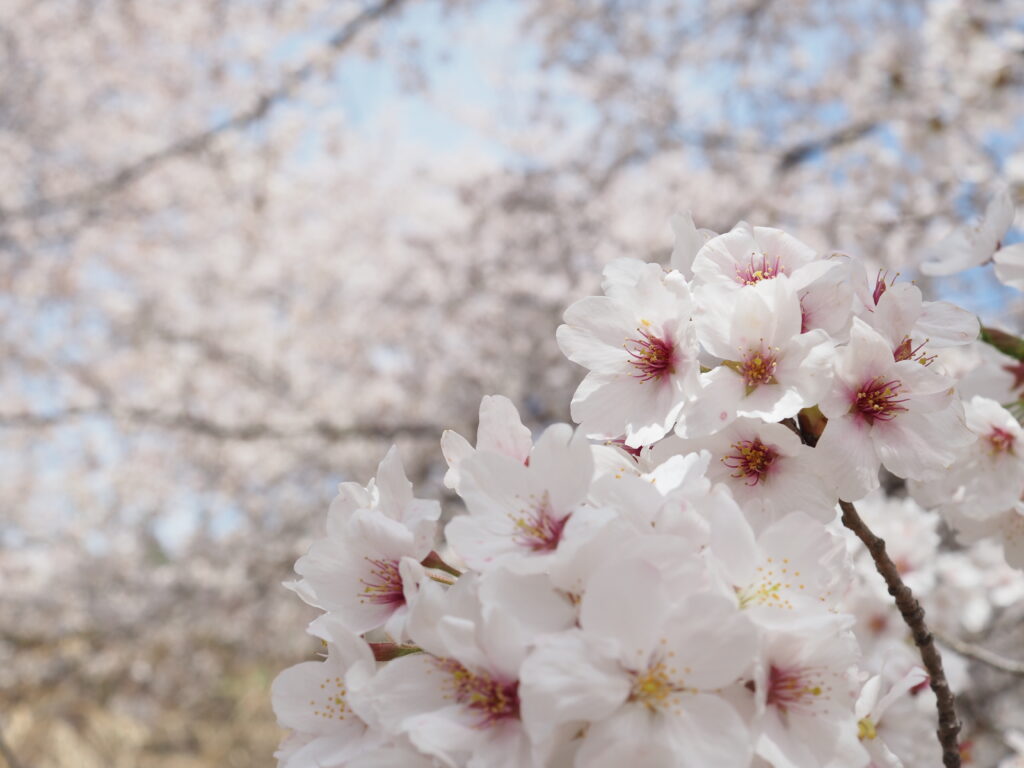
x: 667, y: 584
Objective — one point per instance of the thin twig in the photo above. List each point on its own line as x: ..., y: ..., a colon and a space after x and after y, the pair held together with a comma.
x: 983, y: 655
x: 913, y: 616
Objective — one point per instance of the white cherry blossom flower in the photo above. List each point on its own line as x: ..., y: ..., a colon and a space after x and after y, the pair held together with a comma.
x: 520, y: 515
x: 886, y: 412
x: 640, y: 347
x: 688, y: 242
x: 770, y: 371
x: 367, y: 567
x: 642, y: 673
x: 459, y: 700
x: 795, y: 567
x: 766, y: 467
x: 914, y: 327
x: 748, y: 255
x: 972, y: 245
x: 500, y: 431
x: 874, y: 729
x: 804, y: 692
x: 313, y: 698
x: 988, y: 478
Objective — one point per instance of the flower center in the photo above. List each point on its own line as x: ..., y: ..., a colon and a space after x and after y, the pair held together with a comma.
x: 866, y: 729
x: 757, y: 368
x: 792, y: 688
x: 537, y: 528
x: 495, y: 700
x: 383, y: 586
x: 907, y: 351
x: 1001, y: 441
x: 878, y: 400
x: 751, y: 459
x: 760, y: 268
x: 653, y: 357
x: 334, y: 706
x: 654, y: 687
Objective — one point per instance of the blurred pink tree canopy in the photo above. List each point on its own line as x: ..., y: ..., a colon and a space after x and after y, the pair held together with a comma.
x: 244, y: 246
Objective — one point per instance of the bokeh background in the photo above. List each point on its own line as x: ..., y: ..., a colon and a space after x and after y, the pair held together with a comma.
x: 245, y: 245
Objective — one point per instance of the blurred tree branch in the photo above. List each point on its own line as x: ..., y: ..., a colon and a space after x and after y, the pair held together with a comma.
x: 261, y: 107
x: 209, y: 428
x: 978, y: 653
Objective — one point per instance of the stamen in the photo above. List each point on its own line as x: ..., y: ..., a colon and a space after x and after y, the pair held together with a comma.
x: 881, y: 285
x: 878, y: 400
x: 905, y: 351
x: 751, y: 459
x: 653, y: 357
x: 1001, y: 441
x: 494, y: 699
x: 384, y: 585
x: 756, y: 368
x: 537, y: 528
x: 656, y: 686
x: 758, y: 270
x: 792, y: 688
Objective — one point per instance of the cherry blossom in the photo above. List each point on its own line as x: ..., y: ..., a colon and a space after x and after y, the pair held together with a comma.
x: 640, y: 347
x: 883, y: 411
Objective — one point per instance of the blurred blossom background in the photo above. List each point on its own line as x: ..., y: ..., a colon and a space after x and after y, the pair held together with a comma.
x: 245, y: 245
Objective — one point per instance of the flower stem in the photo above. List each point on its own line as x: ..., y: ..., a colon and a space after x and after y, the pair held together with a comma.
x: 913, y: 616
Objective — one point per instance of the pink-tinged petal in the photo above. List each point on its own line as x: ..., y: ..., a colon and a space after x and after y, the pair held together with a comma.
x: 715, y: 406
x: 708, y: 642
x: 595, y: 330
x: 562, y: 464
x: 1010, y: 266
x: 405, y: 687
x: 734, y: 545
x: 632, y: 737
x: 689, y: 240
x: 501, y: 430
x: 707, y: 731
x: 645, y: 411
x: 455, y: 449
x: 568, y: 678
x: 916, y: 445
x: 848, y: 456
x: 897, y: 311
x: 506, y: 746
x: 336, y: 749
x: 448, y: 733
x: 627, y: 605
x: 391, y: 756
x: 947, y: 325
x: 347, y: 648
x: 312, y: 697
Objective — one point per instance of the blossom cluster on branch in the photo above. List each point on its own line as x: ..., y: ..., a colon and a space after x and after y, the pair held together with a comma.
x: 669, y: 583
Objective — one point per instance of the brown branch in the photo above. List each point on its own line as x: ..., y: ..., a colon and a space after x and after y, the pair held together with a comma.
x: 261, y: 106
x: 983, y: 655
x: 811, y: 425
x: 805, y: 150
x: 913, y: 615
